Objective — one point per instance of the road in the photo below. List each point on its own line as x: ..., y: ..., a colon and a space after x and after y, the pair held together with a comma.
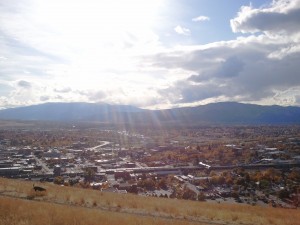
x: 99, y: 146
x: 192, y: 187
x: 197, y: 168
x: 44, y: 166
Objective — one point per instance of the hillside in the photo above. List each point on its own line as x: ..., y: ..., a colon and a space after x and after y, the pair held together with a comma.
x: 70, y: 112
x: 19, y: 204
x: 225, y: 112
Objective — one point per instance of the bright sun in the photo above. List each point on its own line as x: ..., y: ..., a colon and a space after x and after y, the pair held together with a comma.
x: 97, y: 35
x: 97, y: 19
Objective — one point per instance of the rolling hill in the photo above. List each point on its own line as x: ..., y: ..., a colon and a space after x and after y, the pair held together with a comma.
x: 20, y: 204
x: 215, y: 113
x: 70, y: 112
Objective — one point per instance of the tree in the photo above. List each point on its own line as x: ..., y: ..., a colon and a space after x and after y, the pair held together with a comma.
x: 283, y: 194
x: 58, y: 180
x: 189, y: 194
x: 218, y: 180
x: 229, y: 180
x: 263, y: 184
x: 162, y: 183
x: 294, y: 175
x: 247, y: 177
x: 240, y: 181
x: 148, y: 183
x: 235, y: 194
x: 201, y: 196
x: 196, y: 161
x: 89, y: 175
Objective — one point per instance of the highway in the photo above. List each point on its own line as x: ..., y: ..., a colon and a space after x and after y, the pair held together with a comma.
x: 195, y: 168
x: 104, y: 143
x: 167, y: 169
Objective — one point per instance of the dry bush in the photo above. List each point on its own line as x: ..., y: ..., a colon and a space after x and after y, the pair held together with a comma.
x: 82, y: 201
x: 234, y: 217
x: 35, y: 194
x: 68, y: 197
x: 95, y: 203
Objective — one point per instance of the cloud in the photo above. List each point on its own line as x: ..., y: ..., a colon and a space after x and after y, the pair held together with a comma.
x: 236, y: 70
x: 182, y: 30
x: 5, y: 89
x: 63, y: 89
x: 229, y: 68
x: 290, y: 49
x: 97, y: 96
x: 232, y: 67
x: 280, y: 16
x: 186, y: 92
x: 201, y: 18
x: 24, y: 84
x: 297, y: 99
x: 44, y: 98
x: 49, y: 53
x: 89, y: 46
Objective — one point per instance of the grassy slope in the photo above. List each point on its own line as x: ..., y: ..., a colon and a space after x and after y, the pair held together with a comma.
x: 64, y: 205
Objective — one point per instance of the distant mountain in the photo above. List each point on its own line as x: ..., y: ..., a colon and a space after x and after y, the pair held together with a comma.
x: 232, y: 112
x: 225, y: 113
x: 70, y: 112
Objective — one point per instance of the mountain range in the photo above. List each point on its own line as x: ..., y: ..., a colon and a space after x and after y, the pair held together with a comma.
x: 214, y: 113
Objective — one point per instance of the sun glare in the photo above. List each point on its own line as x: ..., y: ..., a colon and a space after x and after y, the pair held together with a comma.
x: 98, y: 37
x: 97, y: 20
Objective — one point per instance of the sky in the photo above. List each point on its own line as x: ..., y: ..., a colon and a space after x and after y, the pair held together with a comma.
x: 149, y: 53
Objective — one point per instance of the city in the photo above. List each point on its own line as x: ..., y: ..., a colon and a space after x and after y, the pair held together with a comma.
x: 153, y: 112
x: 256, y: 165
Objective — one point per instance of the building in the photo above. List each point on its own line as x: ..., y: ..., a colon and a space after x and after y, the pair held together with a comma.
x: 10, y: 171
x: 57, y: 170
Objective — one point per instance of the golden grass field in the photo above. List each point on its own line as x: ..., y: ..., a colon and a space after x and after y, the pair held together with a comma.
x: 19, y: 204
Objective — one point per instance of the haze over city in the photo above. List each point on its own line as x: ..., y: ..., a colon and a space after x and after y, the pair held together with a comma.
x: 150, y: 54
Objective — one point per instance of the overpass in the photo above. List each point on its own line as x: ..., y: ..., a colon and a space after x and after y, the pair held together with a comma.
x: 197, y: 168
x: 171, y: 169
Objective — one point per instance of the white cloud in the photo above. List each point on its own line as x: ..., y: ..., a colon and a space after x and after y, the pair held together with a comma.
x: 63, y: 48
x: 24, y: 84
x: 236, y: 70
x: 201, y: 18
x: 182, y: 30
x: 62, y: 89
x: 44, y: 98
x: 279, y: 21
x: 282, y: 16
x: 285, y: 51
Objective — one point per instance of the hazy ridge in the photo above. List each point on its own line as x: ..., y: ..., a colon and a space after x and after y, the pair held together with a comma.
x: 225, y: 112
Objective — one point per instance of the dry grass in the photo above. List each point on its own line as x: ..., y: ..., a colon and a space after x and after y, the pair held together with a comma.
x: 135, y: 206
x: 16, y: 211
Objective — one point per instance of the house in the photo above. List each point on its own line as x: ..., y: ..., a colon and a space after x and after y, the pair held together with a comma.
x: 132, y: 188
x: 52, y: 154
x: 122, y: 174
